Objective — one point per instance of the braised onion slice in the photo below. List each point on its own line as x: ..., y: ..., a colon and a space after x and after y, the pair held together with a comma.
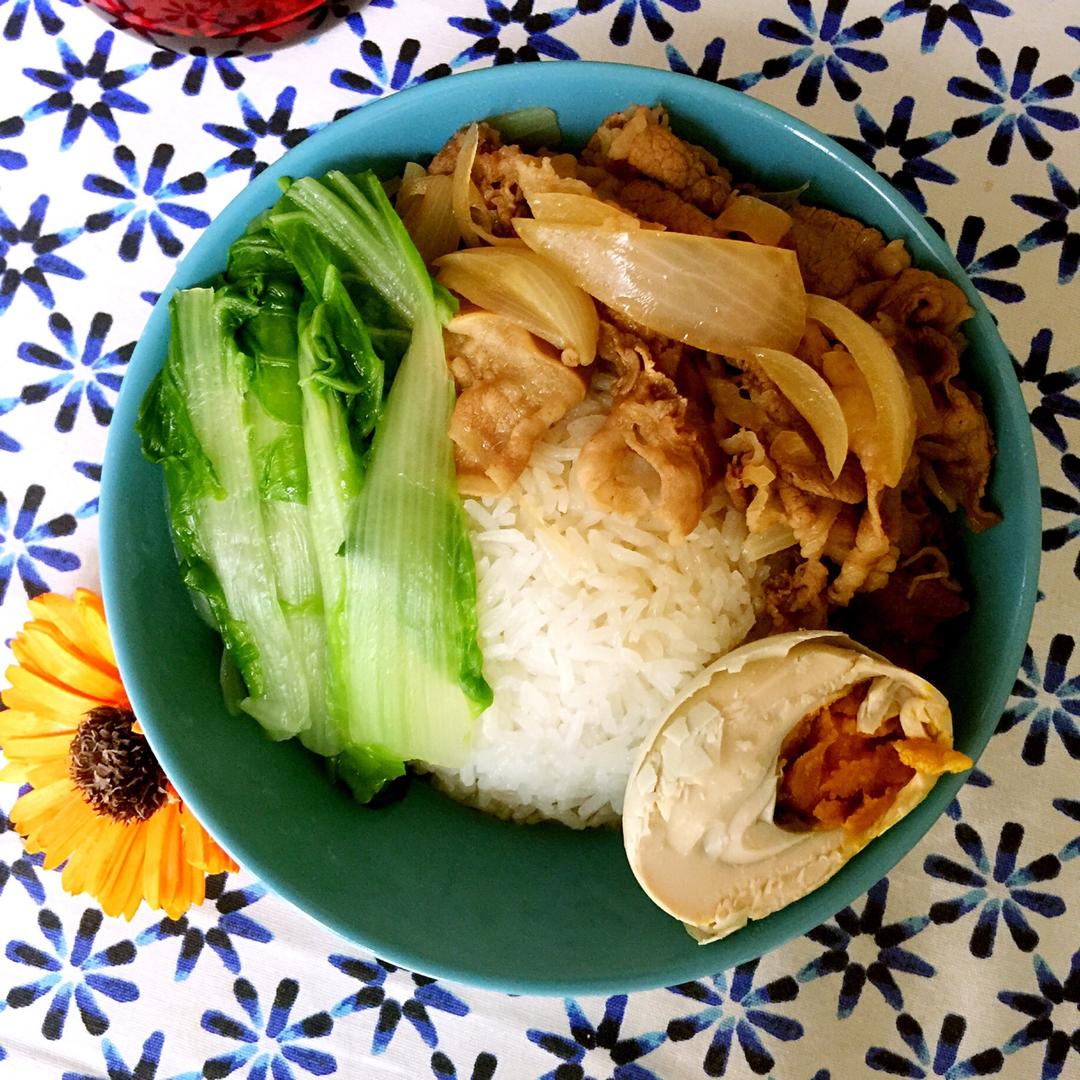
x: 411, y: 182
x: 569, y: 208
x: 466, y: 198
x: 530, y: 290
x: 813, y: 400
x: 462, y: 177
x: 715, y: 294
x: 894, y: 419
x: 777, y: 537
x: 760, y: 220
x: 425, y: 206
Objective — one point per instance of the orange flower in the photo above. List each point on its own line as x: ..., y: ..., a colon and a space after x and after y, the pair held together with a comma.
x: 100, y: 801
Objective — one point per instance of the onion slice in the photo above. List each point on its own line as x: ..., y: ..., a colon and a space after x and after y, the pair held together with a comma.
x: 715, y: 294
x: 777, y: 537
x: 427, y: 215
x: 761, y: 221
x: 530, y: 290
x: 569, y: 208
x: 412, y: 181
x: 467, y: 198
x: 894, y: 410
x: 462, y: 194
x: 813, y: 399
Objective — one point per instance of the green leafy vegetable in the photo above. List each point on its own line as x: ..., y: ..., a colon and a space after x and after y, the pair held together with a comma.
x: 195, y: 421
x: 411, y: 666
x: 301, y: 420
x: 532, y: 128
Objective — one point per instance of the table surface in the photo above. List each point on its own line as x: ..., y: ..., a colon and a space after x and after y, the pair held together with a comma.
x: 114, y: 154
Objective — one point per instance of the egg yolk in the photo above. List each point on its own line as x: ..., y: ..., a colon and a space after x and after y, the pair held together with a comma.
x: 834, y: 775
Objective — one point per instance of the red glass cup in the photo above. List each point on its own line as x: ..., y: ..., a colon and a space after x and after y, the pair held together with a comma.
x: 205, y: 19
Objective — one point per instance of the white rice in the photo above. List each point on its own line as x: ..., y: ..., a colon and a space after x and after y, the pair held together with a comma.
x: 590, y: 625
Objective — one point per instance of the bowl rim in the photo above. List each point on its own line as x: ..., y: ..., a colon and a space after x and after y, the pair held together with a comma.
x: 262, y: 191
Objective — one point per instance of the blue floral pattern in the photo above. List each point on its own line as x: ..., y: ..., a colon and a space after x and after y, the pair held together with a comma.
x: 27, y: 544
x: 575, y: 1051
x: 1001, y: 95
x: 22, y: 869
x: 737, y: 1012
x: 110, y: 97
x: 483, y: 1068
x: 1061, y: 501
x: 626, y: 11
x: 228, y: 66
x: 1070, y: 808
x: 829, y: 47
x: 712, y: 59
x: 133, y: 188
x: 245, y: 140
x: 33, y: 268
x: 9, y: 129
x: 1052, y: 1009
x: 1055, y: 210
x: 82, y: 371
x: 980, y: 267
x: 536, y: 27
x: 1057, y: 402
x: 233, y: 924
x: 938, y: 17
x: 980, y: 879
x: 71, y: 971
x: 917, y: 1060
x: 887, y: 946
x: 145, y: 1067
x: 7, y: 442
x: 1053, y: 712
x: 416, y: 1007
x: 268, y: 1041
x: 46, y: 14
x: 913, y: 150
x: 379, y: 78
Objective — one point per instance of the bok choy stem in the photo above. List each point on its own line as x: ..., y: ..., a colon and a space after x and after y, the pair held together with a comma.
x: 413, y: 669
x: 196, y: 421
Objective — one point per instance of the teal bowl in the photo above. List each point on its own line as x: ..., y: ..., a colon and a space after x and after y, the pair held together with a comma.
x: 426, y: 883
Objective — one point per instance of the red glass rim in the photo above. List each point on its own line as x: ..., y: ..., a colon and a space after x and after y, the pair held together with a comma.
x: 202, y: 19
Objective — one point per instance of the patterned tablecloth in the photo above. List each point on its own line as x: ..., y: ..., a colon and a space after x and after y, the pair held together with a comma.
x: 114, y: 154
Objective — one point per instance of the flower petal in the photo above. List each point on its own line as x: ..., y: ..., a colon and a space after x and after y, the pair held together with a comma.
x: 54, y: 820
x: 53, y: 768
x: 65, y: 614
x: 92, y: 610
x: 190, y: 891
x: 89, y: 866
x: 41, y: 802
x: 121, y: 893
x: 43, y: 648
x: 110, y: 869
x: 25, y: 744
x: 170, y: 882
x: 133, y: 878
x: 200, y: 848
x: 32, y: 691
x: 155, y: 854
x: 183, y: 885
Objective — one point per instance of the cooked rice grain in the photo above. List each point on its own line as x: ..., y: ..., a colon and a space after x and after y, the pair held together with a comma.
x: 590, y: 625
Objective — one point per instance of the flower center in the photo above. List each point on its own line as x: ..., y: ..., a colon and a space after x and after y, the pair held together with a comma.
x: 114, y: 768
